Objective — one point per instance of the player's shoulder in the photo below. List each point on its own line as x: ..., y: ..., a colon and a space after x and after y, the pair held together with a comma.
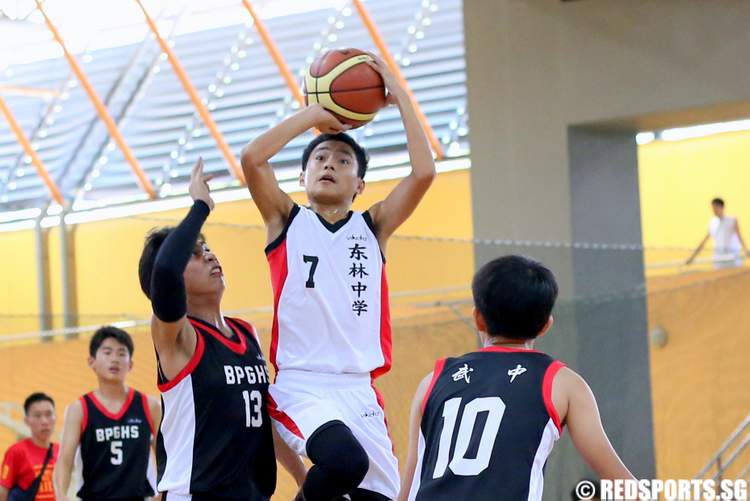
x: 17, y: 449
x: 569, y: 382
x: 77, y: 404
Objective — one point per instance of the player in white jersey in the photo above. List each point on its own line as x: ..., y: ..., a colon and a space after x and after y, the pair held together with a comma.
x: 729, y: 246
x: 331, y: 330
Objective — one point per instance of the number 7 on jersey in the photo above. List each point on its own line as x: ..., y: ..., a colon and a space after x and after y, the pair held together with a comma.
x: 310, y: 284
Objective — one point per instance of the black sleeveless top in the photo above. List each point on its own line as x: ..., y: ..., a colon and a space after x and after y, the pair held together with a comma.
x: 215, y: 437
x: 115, y: 449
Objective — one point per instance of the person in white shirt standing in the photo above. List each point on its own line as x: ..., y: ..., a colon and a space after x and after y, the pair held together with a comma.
x: 729, y: 245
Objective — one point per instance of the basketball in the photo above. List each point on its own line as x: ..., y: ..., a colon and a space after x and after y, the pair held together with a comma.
x: 342, y: 82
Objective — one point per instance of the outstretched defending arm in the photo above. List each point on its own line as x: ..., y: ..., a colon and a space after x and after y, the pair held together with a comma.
x: 174, y: 337
x: 274, y: 205
x: 391, y: 213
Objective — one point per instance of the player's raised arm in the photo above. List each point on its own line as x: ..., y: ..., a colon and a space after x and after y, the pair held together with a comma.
x: 274, y: 205
x: 173, y: 336
x: 390, y: 213
x: 415, y: 421
x: 577, y: 407
x: 71, y: 438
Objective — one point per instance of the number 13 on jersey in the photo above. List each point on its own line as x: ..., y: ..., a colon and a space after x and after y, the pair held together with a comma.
x: 253, y: 410
x: 460, y: 464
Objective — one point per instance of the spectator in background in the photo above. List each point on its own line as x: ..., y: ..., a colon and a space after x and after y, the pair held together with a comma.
x: 728, y: 242
x: 27, y: 466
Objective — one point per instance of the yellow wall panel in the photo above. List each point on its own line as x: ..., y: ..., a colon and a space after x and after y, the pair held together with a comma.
x: 18, y: 288
x: 679, y: 179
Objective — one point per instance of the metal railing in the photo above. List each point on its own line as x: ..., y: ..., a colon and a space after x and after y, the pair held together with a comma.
x: 729, y: 452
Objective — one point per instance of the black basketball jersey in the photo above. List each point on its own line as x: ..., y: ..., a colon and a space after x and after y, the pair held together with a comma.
x: 115, y: 449
x: 488, y: 426
x: 215, y: 438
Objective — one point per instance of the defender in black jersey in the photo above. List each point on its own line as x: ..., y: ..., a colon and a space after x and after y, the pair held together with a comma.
x: 215, y: 440
x: 483, y: 424
x: 113, y: 426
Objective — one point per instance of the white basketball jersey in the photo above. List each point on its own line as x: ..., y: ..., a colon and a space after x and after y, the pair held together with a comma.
x: 724, y: 232
x: 330, y: 296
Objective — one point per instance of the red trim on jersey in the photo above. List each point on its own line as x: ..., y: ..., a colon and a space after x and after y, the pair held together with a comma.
x: 247, y: 325
x: 386, y: 341
x: 435, y: 375
x: 147, y: 410
x: 505, y: 349
x: 277, y: 261
x: 118, y: 415
x: 282, y: 417
x: 85, y: 420
x: 549, y: 378
x: 189, y: 368
x: 239, y: 346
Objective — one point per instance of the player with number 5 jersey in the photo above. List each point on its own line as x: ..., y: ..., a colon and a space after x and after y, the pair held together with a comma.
x: 483, y: 424
x: 113, y: 426
x: 215, y: 440
x: 331, y: 330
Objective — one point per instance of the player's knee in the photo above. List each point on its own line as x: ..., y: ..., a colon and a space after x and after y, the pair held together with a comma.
x: 336, y: 449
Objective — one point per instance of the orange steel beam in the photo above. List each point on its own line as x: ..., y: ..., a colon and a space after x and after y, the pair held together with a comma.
x: 100, y: 108
x: 21, y: 137
x: 27, y: 91
x: 275, y: 54
x: 194, y: 97
x: 383, y: 48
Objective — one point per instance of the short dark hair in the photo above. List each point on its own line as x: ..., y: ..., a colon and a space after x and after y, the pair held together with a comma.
x: 34, y: 398
x: 151, y: 246
x: 515, y: 295
x: 109, y: 331
x: 718, y: 201
x: 359, y: 152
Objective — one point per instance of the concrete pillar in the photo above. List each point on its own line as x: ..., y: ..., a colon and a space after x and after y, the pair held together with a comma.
x: 556, y: 92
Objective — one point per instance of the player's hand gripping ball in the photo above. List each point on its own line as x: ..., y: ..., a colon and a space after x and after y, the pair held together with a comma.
x: 344, y: 84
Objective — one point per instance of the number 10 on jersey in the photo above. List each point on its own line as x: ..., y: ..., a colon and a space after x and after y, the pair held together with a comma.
x: 460, y: 464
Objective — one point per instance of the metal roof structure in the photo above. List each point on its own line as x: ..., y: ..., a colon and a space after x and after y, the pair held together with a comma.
x: 240, y: 85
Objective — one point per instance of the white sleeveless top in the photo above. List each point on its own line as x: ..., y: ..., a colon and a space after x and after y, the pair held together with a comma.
x: 331, y: 311
x: 727, y: 246
x: 724, y: 233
